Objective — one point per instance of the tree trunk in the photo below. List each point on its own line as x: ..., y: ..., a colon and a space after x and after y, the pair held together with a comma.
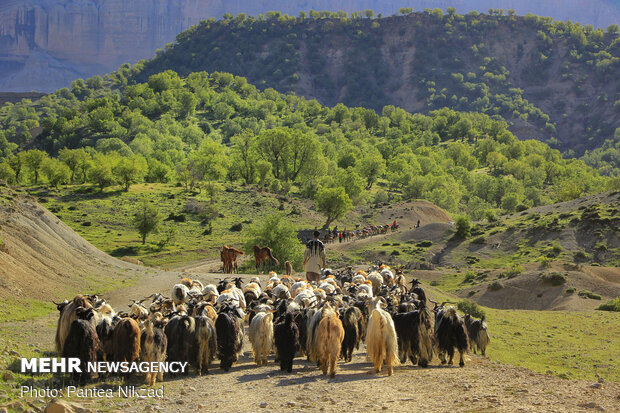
x: 143, y: 239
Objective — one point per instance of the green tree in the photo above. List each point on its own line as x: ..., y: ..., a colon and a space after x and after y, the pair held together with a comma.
x: 16, y: 163
x: 369, y: 13
x: 7, y: 173
x: 613, y: 29
x: 279, y: 234
x: 146, y: 220
x: 100, y: 172
x: 371, y: 167
x: 33, y: 159
x: 130, y: 170
x: 56, y: 172
x: 405, y: 10
x: 243, y: 156
x: 75, y: 159
x: 334, y: 203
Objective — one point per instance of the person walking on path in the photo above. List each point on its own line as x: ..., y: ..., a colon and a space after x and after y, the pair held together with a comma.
x: 314, y: 258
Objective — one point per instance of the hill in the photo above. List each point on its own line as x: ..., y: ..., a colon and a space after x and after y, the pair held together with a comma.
x: 209, y: 128
x: 553, y: 81
x: 46, y: 44
x: 44, y: 259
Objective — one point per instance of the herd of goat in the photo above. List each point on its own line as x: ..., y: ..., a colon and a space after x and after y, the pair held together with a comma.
x: 323, y: 322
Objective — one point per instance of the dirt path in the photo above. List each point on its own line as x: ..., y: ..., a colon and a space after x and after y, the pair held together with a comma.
x: 481, y: 385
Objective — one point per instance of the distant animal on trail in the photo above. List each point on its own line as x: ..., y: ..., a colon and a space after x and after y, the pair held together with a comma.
x: 478, y: 333
x: 288, y: 268
x: 262, y: 254
x: 229, y: 256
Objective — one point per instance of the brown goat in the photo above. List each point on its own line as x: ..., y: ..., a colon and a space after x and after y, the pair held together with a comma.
x: 126, y: 340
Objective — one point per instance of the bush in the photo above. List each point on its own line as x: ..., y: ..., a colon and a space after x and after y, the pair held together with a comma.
x: 513, y: 272
x: 470, y: 307
x: 545, y: 262
x: 236, y: 227
x: 279, y: 234
x: 570, y: 290
x: 424, y: 244
x: 463, y: 226
x: 470, y: 276
x: 611, y: 305
x: 495, y: 286
x: 553, y: 278
x: 589, y: 294
x: 581, y: 256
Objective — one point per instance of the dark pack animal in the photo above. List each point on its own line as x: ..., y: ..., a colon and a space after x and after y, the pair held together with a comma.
x: 286, y: 337
x: 450, y: 333
x: 180, y: 332
x: 229, y: 336
x: 478, y: 333
x: 415, y: 336
x: 352, y: 320
x: 82, y: 342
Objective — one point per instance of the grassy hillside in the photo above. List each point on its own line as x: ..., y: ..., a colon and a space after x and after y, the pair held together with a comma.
x: 210, y: 128
x: 551, y: 80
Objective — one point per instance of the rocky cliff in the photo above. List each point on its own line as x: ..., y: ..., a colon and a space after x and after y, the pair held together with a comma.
x: 45, y: 44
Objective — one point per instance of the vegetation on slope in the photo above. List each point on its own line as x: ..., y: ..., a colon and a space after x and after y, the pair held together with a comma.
x: 552, y: 80
x: 215, y: 127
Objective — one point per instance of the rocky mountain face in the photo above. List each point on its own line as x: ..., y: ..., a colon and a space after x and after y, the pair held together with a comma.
x: 45, y: 44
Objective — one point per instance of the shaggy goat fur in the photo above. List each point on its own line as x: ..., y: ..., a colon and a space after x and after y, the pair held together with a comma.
x: 478, y: 333
x: 82, y: 342
x: 415, y: 336
x: 329, y: 336
x: 351, y: 322
x: 153, y: 343
x: 67, y: 316
x: 381, y: 340
x: 450, y: 333
x: 261, y: 336
x: 229, y: 338
x: 180, y: 331
x: 286, y: 337
x: 206, y: 343
x: 126, y: 340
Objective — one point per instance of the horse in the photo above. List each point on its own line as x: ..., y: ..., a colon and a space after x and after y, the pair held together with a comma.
x: 263, y: 253
x: 229, y: 258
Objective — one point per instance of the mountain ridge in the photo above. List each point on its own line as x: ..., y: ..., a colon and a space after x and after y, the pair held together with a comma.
x: 86, y: 37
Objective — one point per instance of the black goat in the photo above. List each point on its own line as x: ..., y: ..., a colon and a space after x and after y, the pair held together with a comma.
x: 286, y: 337
x: 352, y: 320
x: 229, y: 336
x: 415, y: 336
x: 180, y: 332
x: 478, y: 333
x: 82, y: 342
x: 450, y: 333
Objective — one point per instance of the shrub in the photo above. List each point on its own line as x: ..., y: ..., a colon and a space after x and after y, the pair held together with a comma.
x: 470, y: 307
x: 553, y: 278
x: 479, y: 240
x: 279, y: 234
x: 470, y: 276
x: 545, y: 262
x: 236, y: 227
x: 589, y: 294
x: 611, y: 305
x: 570, y: 290
x: 424, y: 244
x: 581, y: 256
x: 495, y: 286
x: 463, y: 227
x: 513, y: 272
x: 553, y: 250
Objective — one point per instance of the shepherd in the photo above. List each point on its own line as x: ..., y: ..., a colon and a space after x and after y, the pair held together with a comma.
x: 314, y: 258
